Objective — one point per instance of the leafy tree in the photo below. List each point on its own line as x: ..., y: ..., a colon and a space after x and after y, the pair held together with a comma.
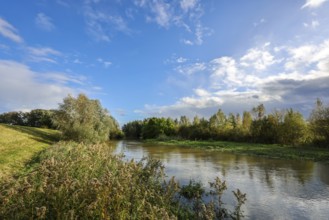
x: 259, y: 111
x: 319, y: 124
x: 133, y: 130
x: 40, y: 118
x: 293, y: 129
x: 184, y: 121
x: 14, y: 118
x: 218, y: 120
x: 83, y: 120
x: 246, y: 121
x: 196, y: 120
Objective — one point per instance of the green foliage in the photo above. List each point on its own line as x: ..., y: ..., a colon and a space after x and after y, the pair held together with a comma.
x: 133, y: 130
x: 36, y: 118
x: 40, y: 118
x: 77, y: 181
x: 286, y: 127
x: 192, y: 190
x: 13, y: 118
x: 319, y: 124
x: 155, y: 127
x: 84, y: 120
x: 294, y: 128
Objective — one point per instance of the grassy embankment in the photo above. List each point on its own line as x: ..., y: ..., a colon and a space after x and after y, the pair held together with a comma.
x: 77, y: 181
x: 18, y: 145
x: 263, y: 150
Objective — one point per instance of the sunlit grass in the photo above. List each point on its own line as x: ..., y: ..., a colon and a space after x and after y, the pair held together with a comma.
x: 19, y: 144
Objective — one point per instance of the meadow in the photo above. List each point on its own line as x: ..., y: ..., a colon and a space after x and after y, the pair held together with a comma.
x: 19, y: 144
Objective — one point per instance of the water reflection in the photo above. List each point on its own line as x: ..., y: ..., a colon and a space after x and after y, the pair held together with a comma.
x: 276, y: 189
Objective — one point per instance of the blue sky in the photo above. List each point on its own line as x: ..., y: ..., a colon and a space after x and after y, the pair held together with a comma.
x: 145, y: 58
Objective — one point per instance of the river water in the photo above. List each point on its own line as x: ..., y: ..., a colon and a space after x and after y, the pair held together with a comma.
x: 275, y: 188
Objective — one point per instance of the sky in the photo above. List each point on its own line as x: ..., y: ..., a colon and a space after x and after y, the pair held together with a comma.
x: 144, y: 58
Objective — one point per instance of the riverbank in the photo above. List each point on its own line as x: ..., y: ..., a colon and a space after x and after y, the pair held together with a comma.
x: 262, y: 150
x: 19, y: 144
x: 69, y: 180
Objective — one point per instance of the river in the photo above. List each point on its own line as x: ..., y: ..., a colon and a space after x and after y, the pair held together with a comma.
x: 275, y: 188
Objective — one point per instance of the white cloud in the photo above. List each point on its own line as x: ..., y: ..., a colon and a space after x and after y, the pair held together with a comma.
x: 184, y: 14
x: 77, y: 61
x: 225, y: 73
x: 101, y: 24
x: 313, y: 3
x: 189, y: 106
x: 260, y: 59
x: 22, y: 88
x: 9, y: 31
x: 44, y: 22
x: 181, y: 60
x: 261, y: 21
x: 162, y: 13
x: 313, y: 24
x: 191, y: 69
x: 104, y: 62
x: 63, y: 3
x: 199, y: 33
x: 188, y: 4
x: 42, y: 54
x: 202, y: 92
x: 43, y: 51
x: 289, y: 77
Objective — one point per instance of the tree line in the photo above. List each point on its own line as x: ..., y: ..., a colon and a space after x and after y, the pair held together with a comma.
x: 286, y: 127
x: 79, y: 119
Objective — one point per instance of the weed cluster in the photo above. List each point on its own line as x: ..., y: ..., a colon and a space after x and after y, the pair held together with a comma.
x: 77, y: 181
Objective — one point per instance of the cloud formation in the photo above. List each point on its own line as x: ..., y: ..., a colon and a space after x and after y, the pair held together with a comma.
x: 42, y: 54
x: 44, y: 22
x: 283, y: 76
x: 9, y: 31
x: 102, y: 22
x: 24, y: 89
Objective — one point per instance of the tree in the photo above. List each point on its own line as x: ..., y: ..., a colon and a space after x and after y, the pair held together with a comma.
x: 259, y: 111
x: 133, y: 130
x: 83, y: 120
x: 246, y: 122
x: 293, y: 128
x: 40, y: 118
x: 319, y: 123
x: 14, y: 118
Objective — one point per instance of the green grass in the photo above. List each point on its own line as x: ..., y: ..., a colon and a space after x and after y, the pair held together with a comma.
x: 19, y: 144
x: 263, y: 150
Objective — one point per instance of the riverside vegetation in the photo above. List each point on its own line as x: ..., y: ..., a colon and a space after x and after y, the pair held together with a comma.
x: 281, y: 134
x: 71, y: 180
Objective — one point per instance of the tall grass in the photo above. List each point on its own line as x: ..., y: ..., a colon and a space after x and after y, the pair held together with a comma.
x: 77, y: 181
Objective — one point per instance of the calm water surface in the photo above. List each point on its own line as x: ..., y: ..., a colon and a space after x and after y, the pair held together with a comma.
x: 276, y: 189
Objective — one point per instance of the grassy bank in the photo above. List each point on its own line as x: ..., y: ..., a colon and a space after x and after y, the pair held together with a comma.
x: 19, y: 144
x: 264, y: 150
x: 77, y: 181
